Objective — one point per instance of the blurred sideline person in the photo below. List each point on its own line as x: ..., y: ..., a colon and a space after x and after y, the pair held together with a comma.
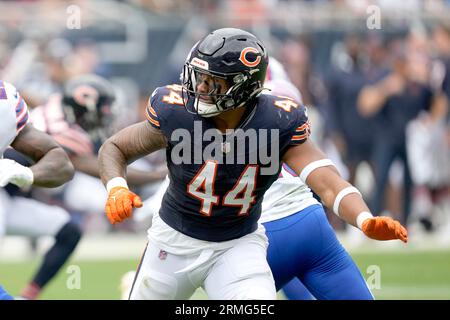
x: 80, y: 119
x: 295, y: 224
x: 207, y: 232
x: 428, y: 144
x: 351, y: 132
x: 396, y: 100
x: 51, y: 166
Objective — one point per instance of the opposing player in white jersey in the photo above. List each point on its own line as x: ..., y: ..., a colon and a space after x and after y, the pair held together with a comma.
x: 51, y: 166
x: 303, y: 248
x: 79, y: 118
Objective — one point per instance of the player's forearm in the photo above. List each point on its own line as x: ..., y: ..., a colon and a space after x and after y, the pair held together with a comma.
x: 126, y: 146
x: 322, y: 177
x: 111, y: 161
x: 328, y: 185
x: 140, y: 177
x: 90, y: 166
x: 87, y: 165
x: 53, y: 169
x: 52, y: 166
x: 351, y: 207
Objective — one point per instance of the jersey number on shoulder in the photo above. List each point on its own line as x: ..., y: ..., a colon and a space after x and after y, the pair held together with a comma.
x: 173, y: 97
x: 286, y: 104
x: 241, y: 195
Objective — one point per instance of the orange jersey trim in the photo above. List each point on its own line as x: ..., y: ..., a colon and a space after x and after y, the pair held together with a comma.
x: 302, y: 127
x: 301, y: 137
x: 152, y: 111
x: 156, y: 123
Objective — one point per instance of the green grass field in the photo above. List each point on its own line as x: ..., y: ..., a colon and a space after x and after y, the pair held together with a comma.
x: 409, y: 275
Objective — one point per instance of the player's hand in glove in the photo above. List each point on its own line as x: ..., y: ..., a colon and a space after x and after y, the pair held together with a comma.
x: 120, y: 204
x: 15, y: 173
x: 384, y: 228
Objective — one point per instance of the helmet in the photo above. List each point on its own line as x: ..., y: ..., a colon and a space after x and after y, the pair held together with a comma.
x: 233, y: 55
x: 277, y: 81
x: 87, y: 101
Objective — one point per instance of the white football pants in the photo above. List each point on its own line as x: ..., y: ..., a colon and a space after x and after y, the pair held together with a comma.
x: 237, y: 273
x: 29, y: 217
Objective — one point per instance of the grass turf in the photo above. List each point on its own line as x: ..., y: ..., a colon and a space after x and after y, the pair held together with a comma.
x: 405, y: 275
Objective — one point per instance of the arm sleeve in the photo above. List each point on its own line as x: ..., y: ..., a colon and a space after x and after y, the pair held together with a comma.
x: 10, y: 93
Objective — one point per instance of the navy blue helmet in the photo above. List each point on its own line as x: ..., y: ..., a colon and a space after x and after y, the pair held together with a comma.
x: 87, y: 101
x: 234, y: 55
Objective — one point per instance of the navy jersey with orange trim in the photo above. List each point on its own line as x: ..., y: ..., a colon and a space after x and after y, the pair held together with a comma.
x: 217, y: 195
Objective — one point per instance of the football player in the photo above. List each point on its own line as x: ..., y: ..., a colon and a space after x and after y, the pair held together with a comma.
x: 295, y: 223
x: 76, y: 119
x: 45, y: 220
x: 51, y: 167
x: 207, y: 232
x: 79, y: 119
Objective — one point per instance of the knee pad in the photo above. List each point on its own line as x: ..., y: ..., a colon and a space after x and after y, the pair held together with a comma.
x: 154, y: 285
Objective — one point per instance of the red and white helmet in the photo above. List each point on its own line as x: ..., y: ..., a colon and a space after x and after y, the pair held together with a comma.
x: 278, y: 81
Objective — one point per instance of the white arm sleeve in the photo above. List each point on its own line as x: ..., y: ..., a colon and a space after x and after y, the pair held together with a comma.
x: 313, y: 166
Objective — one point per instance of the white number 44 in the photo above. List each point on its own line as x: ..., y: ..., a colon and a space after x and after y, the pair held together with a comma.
x: 241, y: 195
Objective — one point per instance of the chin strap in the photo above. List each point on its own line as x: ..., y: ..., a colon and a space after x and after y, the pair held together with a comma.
x: 207, y: 107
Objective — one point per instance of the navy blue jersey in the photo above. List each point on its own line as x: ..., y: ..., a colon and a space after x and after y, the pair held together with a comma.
x: 217, y: 181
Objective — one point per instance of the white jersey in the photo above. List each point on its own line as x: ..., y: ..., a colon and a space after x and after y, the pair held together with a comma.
x: 286, y: 196
x: 13, y: 115
x: 13, y: 118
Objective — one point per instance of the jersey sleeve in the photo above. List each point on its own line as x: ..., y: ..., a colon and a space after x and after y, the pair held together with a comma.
x: 302, y: 126
x: 9, y: 93
x: 22, y: 115
x: 150, y: 112
x: 162, y: 106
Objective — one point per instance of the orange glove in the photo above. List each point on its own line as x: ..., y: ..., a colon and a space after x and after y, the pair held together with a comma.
x: 120, y: 204
x: 384, y: 228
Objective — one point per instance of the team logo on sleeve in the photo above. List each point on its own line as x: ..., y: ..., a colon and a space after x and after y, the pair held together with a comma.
x: 3, y: 95
x: 250, y: 53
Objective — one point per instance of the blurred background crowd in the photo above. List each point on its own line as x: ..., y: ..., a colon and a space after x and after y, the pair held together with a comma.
x: 377, y: 94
